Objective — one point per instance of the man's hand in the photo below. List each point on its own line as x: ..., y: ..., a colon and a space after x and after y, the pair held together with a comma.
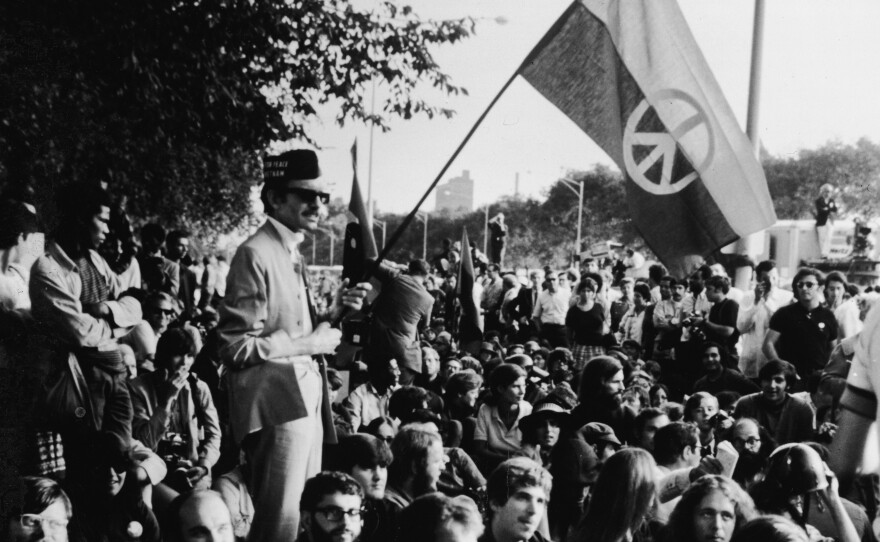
x: 168, y: 391
x: 352, y: 298
x: 98, y: 310
x: 708, y: 465
x: 198, y: 474
x: 323, y: 340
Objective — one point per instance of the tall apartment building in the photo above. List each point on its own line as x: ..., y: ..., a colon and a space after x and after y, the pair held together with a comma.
x: 457, y: 194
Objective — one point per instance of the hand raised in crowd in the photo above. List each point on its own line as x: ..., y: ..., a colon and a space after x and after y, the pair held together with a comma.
x: 198, y: 477
x: 707, y: 465
x: 168, y: 390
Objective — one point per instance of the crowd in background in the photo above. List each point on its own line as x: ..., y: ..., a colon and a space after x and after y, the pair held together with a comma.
x: 595, y: 406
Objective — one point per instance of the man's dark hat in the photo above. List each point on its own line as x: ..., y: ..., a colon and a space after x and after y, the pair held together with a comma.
x: 296, y: 165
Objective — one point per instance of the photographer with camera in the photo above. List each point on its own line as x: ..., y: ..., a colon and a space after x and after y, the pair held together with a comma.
x: 171, y: 409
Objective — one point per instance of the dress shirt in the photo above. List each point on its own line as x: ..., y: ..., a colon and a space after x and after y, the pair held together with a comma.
x: 551, y: 308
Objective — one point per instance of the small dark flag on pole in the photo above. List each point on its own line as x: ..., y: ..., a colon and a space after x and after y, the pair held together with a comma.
x: 359, y: 242
x: 469, y: 328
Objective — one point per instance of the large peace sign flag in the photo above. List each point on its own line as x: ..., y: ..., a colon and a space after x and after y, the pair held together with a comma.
x: 630, y: 74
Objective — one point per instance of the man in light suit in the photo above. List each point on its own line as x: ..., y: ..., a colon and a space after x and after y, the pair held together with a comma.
x: 269, y: 333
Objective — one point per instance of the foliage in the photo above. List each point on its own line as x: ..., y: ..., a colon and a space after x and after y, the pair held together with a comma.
x: 173, y: 102
x: 853, y: 169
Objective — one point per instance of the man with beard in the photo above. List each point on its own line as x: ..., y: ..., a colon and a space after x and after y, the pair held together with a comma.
x: 518, y: 492
x: 418, y: 461
x: 601, y: 398
x: 331, y: 508
x: 366, y: 458
x: 803, y: 333
x: 718, y: 376
x: 787, y: 418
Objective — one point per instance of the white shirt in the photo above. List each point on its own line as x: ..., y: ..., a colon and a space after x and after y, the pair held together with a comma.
x: 753, y: 321
x: 292, y: 240
x: 551, y: 308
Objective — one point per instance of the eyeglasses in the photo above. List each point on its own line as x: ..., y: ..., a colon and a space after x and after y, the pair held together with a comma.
x: 806, y: 285
x: 751, y: 441
x: 334, y: 513
x: 31, y: 521
x: 309, y: 195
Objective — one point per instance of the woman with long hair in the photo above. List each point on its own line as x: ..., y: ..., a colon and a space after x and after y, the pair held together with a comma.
x: 621, y: 498
x: 713, y: 508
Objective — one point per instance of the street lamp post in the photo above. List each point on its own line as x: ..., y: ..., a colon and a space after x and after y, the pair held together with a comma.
x: 569, y: 183
x: 485, y: 232
x: 423, y: 216
x: 381, y: 224
x: 332, y: 239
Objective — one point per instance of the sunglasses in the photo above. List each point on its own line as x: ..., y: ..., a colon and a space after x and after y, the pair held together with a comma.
x: 309, y: 195
x: 806, y: 285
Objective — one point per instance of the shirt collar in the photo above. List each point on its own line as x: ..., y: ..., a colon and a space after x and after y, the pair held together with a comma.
x: 61, y: 257
x: 290, y: 238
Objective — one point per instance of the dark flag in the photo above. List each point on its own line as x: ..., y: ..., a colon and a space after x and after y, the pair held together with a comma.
x: 359, y: 242
x: 631, y: 76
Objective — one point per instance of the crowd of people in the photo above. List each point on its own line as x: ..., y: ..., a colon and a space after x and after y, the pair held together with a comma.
x: 143, y: 402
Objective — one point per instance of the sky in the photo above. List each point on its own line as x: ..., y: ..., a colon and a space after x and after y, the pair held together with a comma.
x: 820, y: 82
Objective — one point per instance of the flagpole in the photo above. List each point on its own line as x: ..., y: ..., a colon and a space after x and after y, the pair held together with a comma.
x: 370, y: 167
x: 409, y: 218
x: 751, y: 244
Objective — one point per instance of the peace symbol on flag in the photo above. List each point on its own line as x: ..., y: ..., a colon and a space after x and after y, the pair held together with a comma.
x: 656, y: 172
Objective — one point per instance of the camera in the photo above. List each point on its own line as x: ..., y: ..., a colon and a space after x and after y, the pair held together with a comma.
x: 356, y: 329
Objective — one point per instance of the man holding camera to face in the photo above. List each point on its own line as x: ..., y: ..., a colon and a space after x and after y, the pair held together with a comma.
x: 271, y: 342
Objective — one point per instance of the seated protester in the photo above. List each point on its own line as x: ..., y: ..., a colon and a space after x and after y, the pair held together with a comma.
x: 753, y: 444
x: 659, y: 395
x: 160, y: 311
x: 197, y: 516
x: 449, y: 367
x: 472, y: 363
x: 787, y: 418
x: 601, y: 438
x: 621, y: 499
x: 714, y: 508
x: 518, y: 492
x: 717, y: 374
x: 341, y: 415
x: 107, y: 504
x: 418, y: 461
x: 540, y: 430
x: 674, y: 410
x: 727, y: 400
x: 633, y: 351
x: 646, y: 425
x: 497, y: 435
x: 430, y: 378
x: 770, y: 528
x: 370, y: 400
x: 635, y: 397
x: 795, y: 476
x: 437, y: 518
x: 701, y: 409
x: 332, y: 508
x: 233, y: 489
x: 405, y: 400
x: 575, y: 469
x: 383, y: 428
x: 460, y: 400
x: 174, y: 414
x: 676, y: 449
x: 366, y: 459
x: 601, y: 398
x: 42, y: 511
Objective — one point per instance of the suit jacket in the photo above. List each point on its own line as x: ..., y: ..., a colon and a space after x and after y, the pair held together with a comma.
x: 403, y: 307
x: 261, y: 312
x: 523, y: 305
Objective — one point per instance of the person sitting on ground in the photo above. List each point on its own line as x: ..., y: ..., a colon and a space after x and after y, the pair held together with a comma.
x: 437, y: 518
x: 601, y: 398
x: 787, y: 418
x: 42, y: 512
x: 601, y: 439
x: 174, y: 413
x: 621, y: 499
x: 332, y: 508
x: 370, y: 400
x: 701, y: 409
x: 540, y: 430
x: 713, y: 509
x: 497, y: 435
x: 197, y: 516
x: 518, y: 491
x: 462, y: 391
x: 718, y: 376
x: 366, y: 459
x: 418, y: 461
x: 646, y: 425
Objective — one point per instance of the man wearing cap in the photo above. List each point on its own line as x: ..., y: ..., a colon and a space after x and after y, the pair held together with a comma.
x: 269, y: 332
x: 601, y: 438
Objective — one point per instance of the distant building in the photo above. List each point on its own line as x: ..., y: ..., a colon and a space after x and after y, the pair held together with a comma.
x: 457, y: 194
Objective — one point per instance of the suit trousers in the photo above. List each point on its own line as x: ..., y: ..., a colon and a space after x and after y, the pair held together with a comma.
x: 281, y: 458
